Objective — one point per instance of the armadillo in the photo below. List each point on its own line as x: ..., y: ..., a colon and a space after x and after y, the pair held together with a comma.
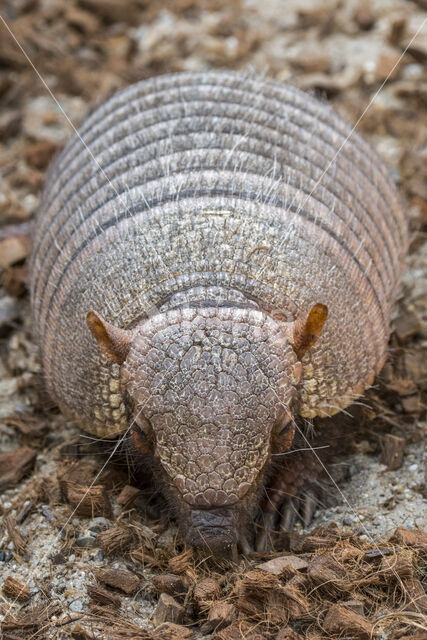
x: 215, y: 258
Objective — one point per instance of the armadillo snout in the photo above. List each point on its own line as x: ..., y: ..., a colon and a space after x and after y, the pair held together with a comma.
x: 214, y: 529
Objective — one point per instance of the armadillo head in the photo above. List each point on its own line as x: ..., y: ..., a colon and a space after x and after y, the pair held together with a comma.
x: 212, y: 392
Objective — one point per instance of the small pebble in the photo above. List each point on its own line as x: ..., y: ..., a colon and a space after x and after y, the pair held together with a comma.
x: 413, y: 467
x: 99, y: 524
x: 347, y: 522
x: 47, y: 513
x: 100, y: 555
x: 71, y: 558
x: 76, y: 605
x: 85, y: 541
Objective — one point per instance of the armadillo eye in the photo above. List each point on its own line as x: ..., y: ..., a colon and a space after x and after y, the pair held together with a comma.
x: 284, y: 431
x: 141, y: 434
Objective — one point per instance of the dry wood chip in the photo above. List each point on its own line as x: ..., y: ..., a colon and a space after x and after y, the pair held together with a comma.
x: 27, y: 623
x: 75, y: 472
x: 345, y: 622
x: 410, y: 537
x: 28, y: 425
x: 89, y: 501
x: 321, y: 538
x: 326, y: 572
x: 14, y: 465
x: 127, y: 495
x: 355, y: 605
x: 168, y: 610
x: 392, y: 450
x: 25, y: 510
x: 171, y: 631
x: 206, y: 590
x: 415, y: 595
x: 261, y: 596
x: 115, y: 539
x: 400, y: 564
x: 121, y: 579
x: 221, y: 614
x: 10, y: 123
x: 13, y: 250
x: 411, y: 404
x: 288, y: 634
x: 15, y: 535
x: 105, y: 624
x: 181, y: 563
x: 111, y: 11
x: 82, y: 20
x: 169, y: 583
x: 39, y: 154
x: 15, y: 590
x: 406, y: 325
x: 103, y: 596
x: 277, y: 565
x: 241, y: 630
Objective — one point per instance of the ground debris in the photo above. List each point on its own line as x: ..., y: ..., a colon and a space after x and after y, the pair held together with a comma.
x: 15, y: 590
x: 322, y: 538
x: 13, y: 249
x: 288, y: 634
x: 392, y: 450
x: 344, y: 621
x: 170, y: 584
x: 89, y: 500
x: 120, y: 579
x: 31, y: 623
x: 399, y: 565
x: 280, y: 564
x: 15, y: 535
x: 168, y: 610
x: 242, y: 630
x: 105, y: 624
x: 103, y: 596
x: 172, y: 631
x: 28, y: 425
x: 14, y: 465
x: 221, y: 614
x: 115, y: 539
x: 206, y: 590
x: 328, y: 574
x: 39, y: 154
x: 128, y: 495
x: 416, y: 596
x: 410, y: 537
x: 261, y: 596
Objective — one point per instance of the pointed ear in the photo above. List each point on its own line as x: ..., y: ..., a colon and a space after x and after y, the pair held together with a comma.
x: 114, y: 342
x: 308, y: 327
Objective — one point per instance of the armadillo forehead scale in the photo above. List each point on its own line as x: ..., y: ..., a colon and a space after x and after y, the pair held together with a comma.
x: 214, y: 179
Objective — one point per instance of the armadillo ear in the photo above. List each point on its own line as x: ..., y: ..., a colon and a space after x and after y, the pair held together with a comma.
x: 114, y: 342
x: 308, y: 327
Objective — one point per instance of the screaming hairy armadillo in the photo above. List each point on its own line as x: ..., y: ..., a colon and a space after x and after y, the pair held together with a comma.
x: 214, y: 261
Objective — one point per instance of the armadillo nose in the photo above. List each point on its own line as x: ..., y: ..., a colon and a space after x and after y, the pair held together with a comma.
x: 213, y: 529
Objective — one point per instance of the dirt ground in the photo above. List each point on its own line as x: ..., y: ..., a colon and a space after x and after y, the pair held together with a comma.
x: 110, y: 567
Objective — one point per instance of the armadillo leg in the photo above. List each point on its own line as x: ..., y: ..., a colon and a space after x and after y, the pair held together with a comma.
x: 293, y: 493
